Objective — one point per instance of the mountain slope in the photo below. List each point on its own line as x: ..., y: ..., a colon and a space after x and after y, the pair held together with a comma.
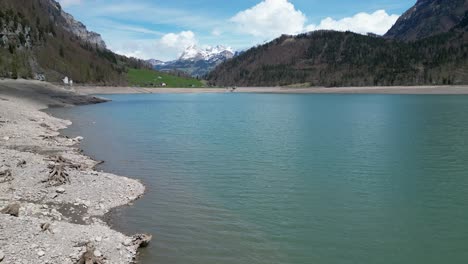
x: 195, y: 61
x: 328, y: 58
x: 428, y: 18
x: 39, y: 38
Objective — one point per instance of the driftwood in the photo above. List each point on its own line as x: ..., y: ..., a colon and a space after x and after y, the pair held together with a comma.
x: 12, y: 209
x: 21, y: 163
x: 142, y: 240
x: 6, y: 176
x: 58, y: 175
x: 97, y: 164
x: 58, y: 159
x: 88, y: 256
x: 44, y: 137
x: 45, y: 227
x: 64, y: 161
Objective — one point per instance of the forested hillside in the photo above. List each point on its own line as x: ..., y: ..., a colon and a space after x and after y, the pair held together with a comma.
x: 38, y: 39
x: 329, y: 58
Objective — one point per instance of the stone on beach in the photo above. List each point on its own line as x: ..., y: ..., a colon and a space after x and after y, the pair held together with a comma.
x: 12, y: 209
x: 48, y: 220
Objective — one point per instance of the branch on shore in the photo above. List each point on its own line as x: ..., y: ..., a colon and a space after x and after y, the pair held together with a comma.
x: 142, y: 240
x: 6, y: 176
x: 58, y: 175
x: 21, y: 163
x: 97, y: 164
x: 47, y: 137
x: 65, y: 162
x: 46, y: 227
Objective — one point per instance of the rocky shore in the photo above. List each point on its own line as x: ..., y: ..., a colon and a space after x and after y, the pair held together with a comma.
x: 51, y: 198
x: 452, y: 89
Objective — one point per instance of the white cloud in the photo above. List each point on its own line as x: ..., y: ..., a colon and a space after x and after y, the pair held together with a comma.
x: 270, y: 18
x: 152, y: 12
x: 168, y: 47
x: 378, y: 22
x: 178, y: 40
x: 66, y: 3
x: 216, y: 32
x: 139, y: 30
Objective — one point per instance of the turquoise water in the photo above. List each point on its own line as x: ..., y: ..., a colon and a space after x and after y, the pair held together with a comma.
x: 266, y: 178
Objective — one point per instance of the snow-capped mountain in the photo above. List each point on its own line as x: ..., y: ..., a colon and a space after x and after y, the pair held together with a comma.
x: 196, y: 61
x: 195, y: 53
x: 154, y: 62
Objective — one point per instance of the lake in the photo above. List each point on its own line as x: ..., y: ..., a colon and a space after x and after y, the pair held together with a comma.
x: 296, y: 179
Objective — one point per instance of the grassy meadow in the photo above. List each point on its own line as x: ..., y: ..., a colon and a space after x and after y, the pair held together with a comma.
x: 151, y: 78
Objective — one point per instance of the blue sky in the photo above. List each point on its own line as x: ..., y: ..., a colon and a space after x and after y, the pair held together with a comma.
x: 163, y: 29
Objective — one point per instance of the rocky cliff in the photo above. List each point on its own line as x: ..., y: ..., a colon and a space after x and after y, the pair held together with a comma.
x: 78, y: 29
x: 427, y: 18
x: 39, y: 40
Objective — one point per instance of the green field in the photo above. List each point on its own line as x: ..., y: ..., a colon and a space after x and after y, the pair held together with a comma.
x: 151, y: 78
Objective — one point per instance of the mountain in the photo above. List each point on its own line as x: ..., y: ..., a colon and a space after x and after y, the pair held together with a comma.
x: 154, y: 62
x: 193, y: 53
x: 78, y: 29
x: 428, y: 18
x: 329, y: 58
x: 38, y: 39
x: 196, y: 61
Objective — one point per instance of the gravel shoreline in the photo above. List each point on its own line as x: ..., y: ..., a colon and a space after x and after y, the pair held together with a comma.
x: 454, y: 89
x: 56, y: 224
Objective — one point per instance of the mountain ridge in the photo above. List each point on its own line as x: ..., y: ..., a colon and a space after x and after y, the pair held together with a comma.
x: 80, y: 30
x: 193, y: 52
x: 330, y: 58
x: 427, y: 18
x: 196, y: 61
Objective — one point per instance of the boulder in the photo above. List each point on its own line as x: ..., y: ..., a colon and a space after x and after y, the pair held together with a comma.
x: 12, y: 209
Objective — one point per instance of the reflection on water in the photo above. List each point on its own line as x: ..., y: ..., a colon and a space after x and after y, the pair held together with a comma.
x: 257, y: 178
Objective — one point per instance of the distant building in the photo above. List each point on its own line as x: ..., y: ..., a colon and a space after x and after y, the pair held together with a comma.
x: 40, y: 77
x: 67, y: 81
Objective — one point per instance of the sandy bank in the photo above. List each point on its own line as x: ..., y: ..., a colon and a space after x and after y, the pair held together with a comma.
x: 463, y: 89
x: 29, y: 138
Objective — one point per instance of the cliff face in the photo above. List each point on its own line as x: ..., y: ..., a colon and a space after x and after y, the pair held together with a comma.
x: 38, y: 39
x: 78, y: 29
x: 428, y: 18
